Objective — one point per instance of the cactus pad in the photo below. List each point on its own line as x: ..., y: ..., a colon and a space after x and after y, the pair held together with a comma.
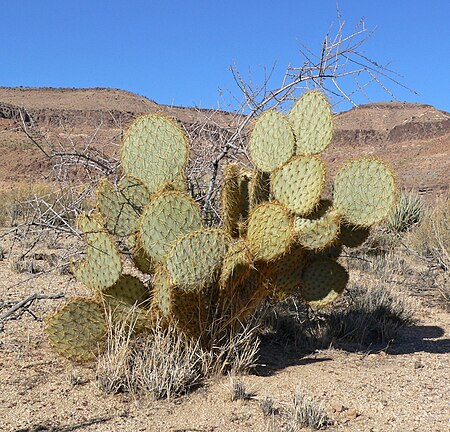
x: 364, y: 191
x: 130, y: 290
x: 312, y: 122
x: 77, y: 329
x: 258, y: 188
x: 285, y: 273
x: 168, y: 216
x: 237, y: 265
x: 122, y: 208
x: 195, y: 258
x: 270, y: 231
x: 271, y: 141
x: 102, y: 265
x: 299, y: 183
x: 155, y: 150
x: 318, y: 233
x: 162, y: 292
x: 353, y: 236
x: 323, y: 281
x: 234, y: 199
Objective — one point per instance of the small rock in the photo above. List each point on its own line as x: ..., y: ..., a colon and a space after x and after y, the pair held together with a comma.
x: 352, y: 413
x: 418, y: 365
x: 337, y: 408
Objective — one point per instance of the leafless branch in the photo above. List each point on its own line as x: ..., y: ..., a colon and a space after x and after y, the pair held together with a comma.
x: 23, y: 305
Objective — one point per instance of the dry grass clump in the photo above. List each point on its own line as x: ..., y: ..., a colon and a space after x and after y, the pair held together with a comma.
x: 302, y: 412
x: 239, y: 391
x: 431, y: 239
x: 161, y: 364
x: 164, y: 363
x: 306, y: 412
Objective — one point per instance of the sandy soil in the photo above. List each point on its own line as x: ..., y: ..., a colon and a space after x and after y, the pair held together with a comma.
x: 404, y: 388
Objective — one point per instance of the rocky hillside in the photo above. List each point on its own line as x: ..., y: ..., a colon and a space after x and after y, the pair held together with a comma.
x: 413, y: 138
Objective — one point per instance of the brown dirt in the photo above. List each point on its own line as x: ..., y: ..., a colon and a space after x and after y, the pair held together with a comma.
x: 404, y: 388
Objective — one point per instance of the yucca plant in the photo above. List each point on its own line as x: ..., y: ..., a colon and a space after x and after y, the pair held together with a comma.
x: 408, y: 213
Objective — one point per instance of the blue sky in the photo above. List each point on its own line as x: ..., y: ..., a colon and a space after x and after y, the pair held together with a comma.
x: 179, y: 52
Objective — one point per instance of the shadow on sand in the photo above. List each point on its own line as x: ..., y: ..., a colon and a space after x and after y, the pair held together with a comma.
x: 277, y: 354
x: 52, y: 428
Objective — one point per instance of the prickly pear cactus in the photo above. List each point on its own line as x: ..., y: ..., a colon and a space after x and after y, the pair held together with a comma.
x: 278, y: 238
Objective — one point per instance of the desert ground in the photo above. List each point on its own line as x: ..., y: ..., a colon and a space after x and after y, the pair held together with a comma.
x: 401, y: 383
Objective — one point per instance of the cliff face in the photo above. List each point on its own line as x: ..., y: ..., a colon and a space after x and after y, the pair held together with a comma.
x: 413, y: 138
x: 381, y: 123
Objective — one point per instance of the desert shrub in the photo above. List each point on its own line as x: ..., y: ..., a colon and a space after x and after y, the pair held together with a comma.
x: 41, y: 203
x: 431, y: 239
x: 371, y: 316
x: 408, y: 212
x: 363, y: 316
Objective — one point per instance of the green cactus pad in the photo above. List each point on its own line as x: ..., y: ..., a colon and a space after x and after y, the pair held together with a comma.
x: 195, y: 258
x: 139, y: 257
x: 311, y: 120
x: 189, y: 312
x: 353, y: 236
x: 271, y: 141
x: 237, y: 265
x: 155, y: 150
x: 318, y: 233
x: 77, y: 329
x: 168, y: 216
x: 364, y: 191
x: 130, y: 290
x: 332, y: 251
x: 285, y: 273
x: 102, y: 265
x: 121, y: 209
x: 270, y: 231
x: 162, y: 292
x: 186, y: 309
x: 298, y: 184
x: 323, y: 281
